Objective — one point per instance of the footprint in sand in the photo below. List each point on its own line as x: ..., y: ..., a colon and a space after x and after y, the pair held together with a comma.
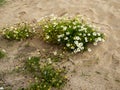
x: 115, y: 62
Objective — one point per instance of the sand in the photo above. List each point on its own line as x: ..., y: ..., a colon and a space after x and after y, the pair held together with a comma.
x: 98, y: 70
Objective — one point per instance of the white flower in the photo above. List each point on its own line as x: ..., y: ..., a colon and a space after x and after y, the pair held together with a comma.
x: 94, y: 33
x: 69, y: 26
x: 47, y: 37
x: 95, y: 43
x: 74, y: 27
x: 81, y: 44
x: 99, y: 39
x: 27, y: 35
x: 64, y: 28
x: 15, y: 31
x: 74, y: 23
x: 49, y: 60
x: 84, y: 34
x: 29, y: 58
x: 78, y: 50
x: 89, y: 50
x: 72, y: 47
x: 82, y: 26
x: 86, y: 40
x: 59, y: 36
x: 77, y: 38
x: 76, y: 42
x: 55, y: 23
x: 55, y: 52
x: 4, y: 50
x: 66, y: 38
x: 75, y: 51
x: 80, y: 30
x: 1, y: 88
x: 88, y: 34
x: 68, y: 45
x: 67, y: 33
x: 46, y: 26
x: 98, y: 34
x: 82, y: 48
x: 59, y: 40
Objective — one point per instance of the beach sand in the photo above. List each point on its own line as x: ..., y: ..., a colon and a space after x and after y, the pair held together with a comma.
x: 97, y: 70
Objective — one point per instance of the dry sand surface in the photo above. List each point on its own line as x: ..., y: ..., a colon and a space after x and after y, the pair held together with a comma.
x: 98, y: 70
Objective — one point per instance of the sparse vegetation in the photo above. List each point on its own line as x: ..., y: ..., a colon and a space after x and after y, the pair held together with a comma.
x: 19, y: 31
x: 45, y: 75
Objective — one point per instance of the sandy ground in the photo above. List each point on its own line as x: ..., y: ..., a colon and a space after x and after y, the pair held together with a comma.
x: 99, y: 70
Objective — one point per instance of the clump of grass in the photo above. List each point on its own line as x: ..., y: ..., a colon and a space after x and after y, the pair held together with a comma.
x: 2, y: 54
x: 19, y: 31
x: 45, y: 75
x: 2, y: 2
x: 73, y: 33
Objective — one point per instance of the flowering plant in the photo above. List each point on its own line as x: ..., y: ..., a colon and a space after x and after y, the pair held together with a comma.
x: 19, y: 31
x: 46, y: 75
x: 71, y: 32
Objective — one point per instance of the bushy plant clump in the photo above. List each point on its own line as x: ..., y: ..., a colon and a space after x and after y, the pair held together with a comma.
x: 19, y: 31
x: 73, y: 33
x: 46, y: 76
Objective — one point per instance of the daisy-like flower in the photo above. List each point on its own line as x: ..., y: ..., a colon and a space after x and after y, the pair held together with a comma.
x: 82, y: 48
x: 1, y: 88
x: 68, y: 45
x: 47, y: 37
x: 72, y: 47
x: 66, y: 38
x: 77, y: 38
x: 64, y: 28
x: 98, y: 34
x: 88, y: 34
x: 67, y: 33
x: 76, y: 42
x: 86, y: 40
x: 82, y: 26
x: 55, y: 52
x: 99, y: 39
x: 46, y: 26
x: 69, y: 26
x: 95, y: 43
x: 59, y: 40
x: 74, y: 27
x: 3, y: 50
x: 74, y: 23
x: 89, y: 50
x: 103, y: 40
x: 84, y: 34
x: 94, y: 33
